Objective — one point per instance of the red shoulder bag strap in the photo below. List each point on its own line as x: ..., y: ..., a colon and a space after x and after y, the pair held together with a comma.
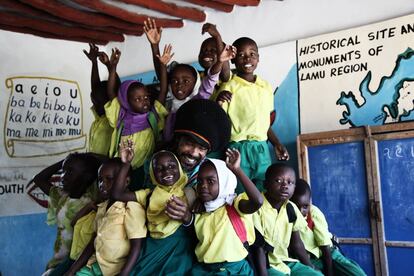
x: 238, y: 224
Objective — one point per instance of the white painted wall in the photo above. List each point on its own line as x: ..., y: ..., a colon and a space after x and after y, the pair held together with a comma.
x: 272, y: 22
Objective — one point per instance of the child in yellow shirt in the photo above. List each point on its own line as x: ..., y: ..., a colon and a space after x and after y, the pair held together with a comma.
x: 221, y: 248
x: 317, y: 238
x: 169, y: 247
x: 119, y: 230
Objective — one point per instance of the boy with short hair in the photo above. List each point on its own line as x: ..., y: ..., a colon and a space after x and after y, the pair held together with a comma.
x: 317, y: 238
x: 278, y: 224
x: 249, y: 101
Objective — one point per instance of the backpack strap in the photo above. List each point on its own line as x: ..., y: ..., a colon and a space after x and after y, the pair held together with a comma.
x: 238, y: 224
x: 291, y: 212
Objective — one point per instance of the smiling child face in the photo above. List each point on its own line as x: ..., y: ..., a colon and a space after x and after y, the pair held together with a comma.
x: 166, y: 170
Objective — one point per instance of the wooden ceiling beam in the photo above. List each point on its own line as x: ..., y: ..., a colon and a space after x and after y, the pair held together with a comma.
x: 213, y: 5
x: 50, y: 27
x: 25, y: 30
x: 170, y: 9
x: 240, y: 2
x: 126, y: 15
x: 60, y: 10
x: 26, y: 10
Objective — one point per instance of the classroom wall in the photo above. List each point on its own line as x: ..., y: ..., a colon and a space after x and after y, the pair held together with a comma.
x: 25, y: 239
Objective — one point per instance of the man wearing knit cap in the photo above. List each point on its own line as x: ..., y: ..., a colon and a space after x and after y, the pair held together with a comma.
x: 201, y: 127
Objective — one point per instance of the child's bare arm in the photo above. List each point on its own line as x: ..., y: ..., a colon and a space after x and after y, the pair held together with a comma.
x: 154, y: 36
x: 83, y: 258
x: 255, y: 200
x: 113, y: 62
x: 135, y: 248
x: 42, y: 179
x: 259, y: 259
x: 164, y: 60
x: 104, y: 59
x: 212, y: 30
x: 119, y: 193
x: 327, y: 260
x: 93, y: 57
x: 281, y: 152
x: 84, y: 211
x: 228, y: 53
x: 298, y: 249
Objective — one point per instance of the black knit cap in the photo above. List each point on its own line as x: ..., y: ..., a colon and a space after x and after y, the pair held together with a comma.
x: 206, y: 122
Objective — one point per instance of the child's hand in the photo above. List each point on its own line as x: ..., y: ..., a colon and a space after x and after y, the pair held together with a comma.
x: 126, y: 151
x: 115, y: 56
x: 233, y: 159
x: 153, y: 34
x: 211, y: 29
x: 281, y: 153
x: 93, y: 52
x: 224, y: 96
x: 166, y: 55
x: 103, y: 57
x: 229, y: 52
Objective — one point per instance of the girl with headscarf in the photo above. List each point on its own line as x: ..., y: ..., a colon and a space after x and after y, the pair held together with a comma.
x: 223, y: 225
x: 133, y: 116
x: 169, y: 248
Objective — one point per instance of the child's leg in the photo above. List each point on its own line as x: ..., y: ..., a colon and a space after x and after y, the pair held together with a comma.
x: 299, y: 269
x: 245, y: 164
x: 273, y: 272
x: 344, y: 266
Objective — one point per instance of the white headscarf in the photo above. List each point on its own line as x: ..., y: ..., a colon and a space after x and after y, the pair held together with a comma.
x: 227, y: 186
x: 176, y: 103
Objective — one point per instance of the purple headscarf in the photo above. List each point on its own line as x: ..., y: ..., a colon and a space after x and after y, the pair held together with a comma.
x: 133, y: 122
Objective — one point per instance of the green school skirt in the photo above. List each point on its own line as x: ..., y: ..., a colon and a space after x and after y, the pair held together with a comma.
x: 94, y: 270
x: 173, y: 255
x: 341, y: 265
x: 226, y: 268
x: 296, y: 269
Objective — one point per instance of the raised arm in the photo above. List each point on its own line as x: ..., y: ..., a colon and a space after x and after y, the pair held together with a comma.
x: 119, y: 193
x: 93, y: 57
x: 255, y: 200
x: 154, y: 36
x: 212, y: 30
x: 164, y: 60
x: 223, y: 57
x: 113, y: 62
x: 42, y: 179
x: 104, y: 59
x: 281, y: 152
x: 134, y: 250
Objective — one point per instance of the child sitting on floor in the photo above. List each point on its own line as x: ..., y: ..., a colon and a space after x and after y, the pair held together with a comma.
x: 249, y: 102
x: 223, y: 225
x: 133, y: 116
x: 278, y: 224
x: 119, y: 230
x: 78, y: 176
x: 168, y: 250
x: 183, y: 79
x: 317, y: 238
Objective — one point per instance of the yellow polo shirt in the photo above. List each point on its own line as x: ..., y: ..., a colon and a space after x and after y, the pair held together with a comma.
x: 82, y: 234
x: 277, y: 231
x: 218, y: 241
x: 100, y: 134
x: 144, y: 142
x: 249, y: 109
x: 114, y: 228
x: 319, y: 236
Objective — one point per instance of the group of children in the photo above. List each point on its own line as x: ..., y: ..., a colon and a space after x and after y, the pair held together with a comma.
x: 131, y: 207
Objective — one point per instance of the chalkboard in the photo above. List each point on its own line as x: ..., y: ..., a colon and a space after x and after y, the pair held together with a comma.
x: 339, y: 187
x: 396, y: 163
